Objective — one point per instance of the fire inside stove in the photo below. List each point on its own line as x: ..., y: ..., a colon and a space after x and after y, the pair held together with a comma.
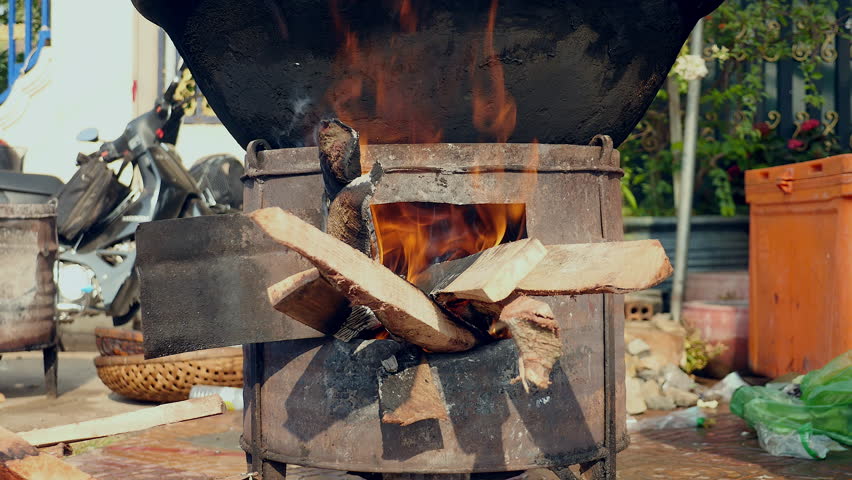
x: 413, y: 236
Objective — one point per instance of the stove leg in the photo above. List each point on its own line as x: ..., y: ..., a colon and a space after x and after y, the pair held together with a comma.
x: 594, y: 470
x: 272, y: 470
x: 50, y: 356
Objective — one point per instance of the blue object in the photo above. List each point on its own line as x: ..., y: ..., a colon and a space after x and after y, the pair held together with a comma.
x: 30, y: 55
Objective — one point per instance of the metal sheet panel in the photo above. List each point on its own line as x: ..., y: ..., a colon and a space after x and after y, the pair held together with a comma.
x: 204, y: 283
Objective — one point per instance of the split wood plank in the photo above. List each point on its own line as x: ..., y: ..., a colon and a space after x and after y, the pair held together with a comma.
x: 308, y: 298
x: 536, y: 334
x: 591, y: 268
x: 488, y: 276
x: 127, y: 422
x: 21, y: 461
x: 403, y: 309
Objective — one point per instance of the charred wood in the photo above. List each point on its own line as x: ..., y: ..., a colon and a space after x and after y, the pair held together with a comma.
x: 536, y: 334
x: 404, y: 310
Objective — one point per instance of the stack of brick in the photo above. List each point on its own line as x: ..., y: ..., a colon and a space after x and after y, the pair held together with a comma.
x: 653, y: 352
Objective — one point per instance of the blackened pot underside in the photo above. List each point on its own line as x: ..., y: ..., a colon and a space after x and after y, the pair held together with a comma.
x: 574, y: 69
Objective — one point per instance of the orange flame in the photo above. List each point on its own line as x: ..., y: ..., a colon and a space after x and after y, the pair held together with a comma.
x: 382, y: 94
x: 376, y: 91
x: 382, y: 335
x: 413, y: 236
x: 494, y: 109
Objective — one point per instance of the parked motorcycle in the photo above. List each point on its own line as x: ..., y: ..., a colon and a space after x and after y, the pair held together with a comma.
x: 99, y: 209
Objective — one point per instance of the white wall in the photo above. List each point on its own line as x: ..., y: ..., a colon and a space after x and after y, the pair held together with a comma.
x: 199, y: 140
x: 85, y: 79
x: 88, y: 85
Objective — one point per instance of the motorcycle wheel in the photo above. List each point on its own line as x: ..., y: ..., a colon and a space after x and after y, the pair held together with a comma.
x: 220, y: 175
x: 133, y: 315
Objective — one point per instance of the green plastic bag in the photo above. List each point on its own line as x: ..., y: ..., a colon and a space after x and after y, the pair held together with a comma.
x: 825, y: 406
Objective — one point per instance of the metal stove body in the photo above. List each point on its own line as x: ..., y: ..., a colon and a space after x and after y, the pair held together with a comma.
x: 314, y: 401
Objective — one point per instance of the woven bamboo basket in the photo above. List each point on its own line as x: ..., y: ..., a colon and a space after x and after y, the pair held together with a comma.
x: 115, y: 341
x: 169, y: 379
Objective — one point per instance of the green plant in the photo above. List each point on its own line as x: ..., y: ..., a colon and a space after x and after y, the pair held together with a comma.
x: 740, y: 38
x: 699, y: 353
x: 4, y: 22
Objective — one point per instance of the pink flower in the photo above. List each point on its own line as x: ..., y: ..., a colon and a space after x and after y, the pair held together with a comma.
x: 809, y: 125
x: 734, y: 172
x: 763, y: 128
x: 794, y: 144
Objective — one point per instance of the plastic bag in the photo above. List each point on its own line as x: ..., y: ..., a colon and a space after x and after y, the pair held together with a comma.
x: 688, y: 418
x: 796, y: 444
x: 724, y: 388
x: 824, y: 408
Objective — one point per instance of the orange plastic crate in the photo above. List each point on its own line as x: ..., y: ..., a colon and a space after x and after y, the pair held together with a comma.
x: 800, y: 265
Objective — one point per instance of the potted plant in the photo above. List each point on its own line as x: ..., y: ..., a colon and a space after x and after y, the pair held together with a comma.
x: 740, y: 39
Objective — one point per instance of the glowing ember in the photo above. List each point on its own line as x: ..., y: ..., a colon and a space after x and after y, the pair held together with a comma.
x: 413, y: 236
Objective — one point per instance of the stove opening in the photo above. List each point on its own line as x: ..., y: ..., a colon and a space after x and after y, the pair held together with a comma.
x: 412, y: 236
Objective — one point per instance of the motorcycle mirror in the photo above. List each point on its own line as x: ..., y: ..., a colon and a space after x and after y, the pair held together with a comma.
x: 88, y: 135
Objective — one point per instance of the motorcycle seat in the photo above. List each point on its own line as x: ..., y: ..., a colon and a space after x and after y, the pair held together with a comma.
x: 27, y: 187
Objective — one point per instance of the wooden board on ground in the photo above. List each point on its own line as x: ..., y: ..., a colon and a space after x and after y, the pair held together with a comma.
x: 403, y: 309
x: 127, y: 422
x: 589, y: 268
x: 21, y: 461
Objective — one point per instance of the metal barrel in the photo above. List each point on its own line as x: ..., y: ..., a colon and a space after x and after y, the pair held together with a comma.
x: 28, y: 248
x: 316, y: 401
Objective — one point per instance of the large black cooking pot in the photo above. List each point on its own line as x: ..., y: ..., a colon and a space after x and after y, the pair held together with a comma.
x: 409, y: 71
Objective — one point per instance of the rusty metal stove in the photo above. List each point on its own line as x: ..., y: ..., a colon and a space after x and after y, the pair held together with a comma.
x: 314, y: 400
x: 28, y: 248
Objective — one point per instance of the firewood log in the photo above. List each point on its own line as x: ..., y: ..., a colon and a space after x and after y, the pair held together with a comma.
x: 474, y: 288
x: 403, y: 309
x: 536, y: 334
x: 346, y: 208
x: 307, y: 297
x: 339, y: 155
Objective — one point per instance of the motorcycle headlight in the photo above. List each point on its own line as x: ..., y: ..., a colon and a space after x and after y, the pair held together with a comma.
x: 74, y: 281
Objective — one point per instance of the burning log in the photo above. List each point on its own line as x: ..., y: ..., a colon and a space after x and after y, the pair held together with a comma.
x: 346, y: 205
x: 471, y: 287
x: 404, y: 310
x: 339, y: 154
x: 488, y: 276
x: 536, y: 334
x: 474, y: 288
x: 607, y: 267
x: 349, y: 218
x: 308, y: 298
x: 577, y: 269
x: 347, y: 192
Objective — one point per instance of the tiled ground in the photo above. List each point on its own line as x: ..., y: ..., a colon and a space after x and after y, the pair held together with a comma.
x: 208, y: 449
x: 729, y: 450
